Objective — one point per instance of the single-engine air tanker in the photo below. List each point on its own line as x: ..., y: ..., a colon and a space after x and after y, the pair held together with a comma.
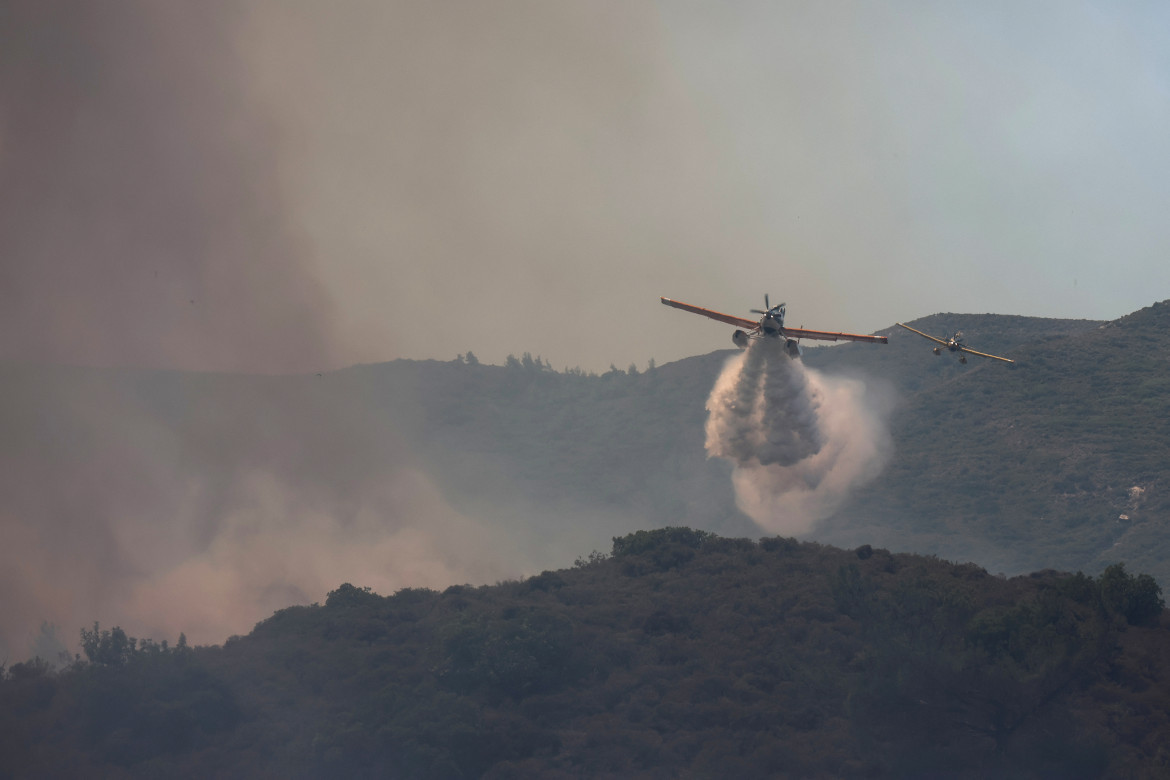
x: 771, y: 326
x: 955, y: 344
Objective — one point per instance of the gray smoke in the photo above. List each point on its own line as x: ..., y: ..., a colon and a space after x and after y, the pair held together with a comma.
x: 799, y: 440
x: 153, y: 214
x: 142, y: 198
x: 168, y: 502
x: 143, y: 223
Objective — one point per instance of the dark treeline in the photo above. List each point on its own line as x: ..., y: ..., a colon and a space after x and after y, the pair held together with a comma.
x: 680, y: 653
x: 526, y: 362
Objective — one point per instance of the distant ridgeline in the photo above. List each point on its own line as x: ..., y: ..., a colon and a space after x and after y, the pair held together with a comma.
x: 680, y: 653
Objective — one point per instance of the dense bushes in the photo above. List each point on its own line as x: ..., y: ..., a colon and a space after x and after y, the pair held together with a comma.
x: 1138, y: 599
x: 776, y: 658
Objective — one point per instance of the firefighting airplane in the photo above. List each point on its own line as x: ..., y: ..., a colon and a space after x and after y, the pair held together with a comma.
x: 955, y: 344
x: 771, y: 325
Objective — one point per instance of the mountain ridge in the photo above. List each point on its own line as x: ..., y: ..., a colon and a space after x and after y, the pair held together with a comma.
x: 522, y: 466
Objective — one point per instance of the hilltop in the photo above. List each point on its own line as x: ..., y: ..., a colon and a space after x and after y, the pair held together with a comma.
x: 680, y: 653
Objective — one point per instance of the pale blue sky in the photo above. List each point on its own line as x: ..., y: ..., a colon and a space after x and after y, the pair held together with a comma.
x: 1004, y: 157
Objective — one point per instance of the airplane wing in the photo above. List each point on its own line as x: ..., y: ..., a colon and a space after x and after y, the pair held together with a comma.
x: 984, y: 354
x: 821, y: 335
x: 961, y: 349
x: 738, y: 322
x: 924, y: 335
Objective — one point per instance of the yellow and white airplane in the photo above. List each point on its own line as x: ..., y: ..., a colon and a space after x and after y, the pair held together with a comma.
x: 955, y: 344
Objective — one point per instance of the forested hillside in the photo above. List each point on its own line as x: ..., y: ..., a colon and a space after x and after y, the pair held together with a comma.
x: 629, y: 444
x: 623, y: 444
x: 1060, y: 460
x: 1056, y: 461
x: 678, y: 654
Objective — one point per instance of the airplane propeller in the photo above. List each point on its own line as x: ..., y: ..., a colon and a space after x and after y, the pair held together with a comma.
x: 769, y: 309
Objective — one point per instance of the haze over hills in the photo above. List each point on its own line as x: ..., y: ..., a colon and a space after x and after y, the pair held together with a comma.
x: 170, y: 501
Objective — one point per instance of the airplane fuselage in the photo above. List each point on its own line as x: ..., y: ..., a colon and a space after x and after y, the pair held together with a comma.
x: 771, y: 325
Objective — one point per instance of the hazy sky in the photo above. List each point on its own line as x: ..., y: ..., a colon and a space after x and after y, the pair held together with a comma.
x: 534, y: 176
x: 280, y: 185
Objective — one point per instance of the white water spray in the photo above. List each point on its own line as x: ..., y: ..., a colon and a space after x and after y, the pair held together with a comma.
x: 799, y: 440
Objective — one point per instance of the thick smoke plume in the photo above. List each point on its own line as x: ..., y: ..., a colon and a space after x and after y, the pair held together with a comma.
x: 143, y: 223
x: 799, y: 440
x: 153, y: 215
x: 168, y: 502
x: 142, y: 199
